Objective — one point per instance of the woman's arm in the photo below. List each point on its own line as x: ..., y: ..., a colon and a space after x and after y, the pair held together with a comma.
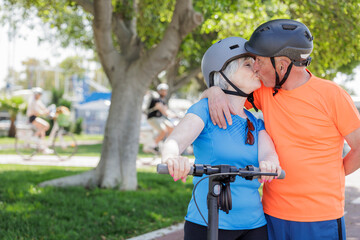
x: 268, y: 158
x: 181, y: 137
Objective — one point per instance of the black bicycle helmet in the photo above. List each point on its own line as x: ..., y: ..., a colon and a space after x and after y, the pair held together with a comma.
x: 282, y: 37
x: 218, y: 56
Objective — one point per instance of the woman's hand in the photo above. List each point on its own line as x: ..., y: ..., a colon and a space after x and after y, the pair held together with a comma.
x: 219, y: 106
x: 179, y: 167
x: 269, y: 167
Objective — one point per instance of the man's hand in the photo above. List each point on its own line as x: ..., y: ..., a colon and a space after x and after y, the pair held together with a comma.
x: 219, y: 106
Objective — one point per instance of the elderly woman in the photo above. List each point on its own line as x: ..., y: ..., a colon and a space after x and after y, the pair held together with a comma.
x: 225, y: 64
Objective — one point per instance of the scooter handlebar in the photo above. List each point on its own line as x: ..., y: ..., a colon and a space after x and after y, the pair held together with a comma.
x: 163, y: 169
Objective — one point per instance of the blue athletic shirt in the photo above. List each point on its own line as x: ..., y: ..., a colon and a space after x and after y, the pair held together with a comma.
x: 216, y: 146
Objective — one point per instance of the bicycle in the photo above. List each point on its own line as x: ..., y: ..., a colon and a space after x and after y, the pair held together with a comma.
x: 219, y: 195
x: 27, y: 145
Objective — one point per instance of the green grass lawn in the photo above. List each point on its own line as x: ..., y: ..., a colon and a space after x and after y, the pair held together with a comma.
x: 31, y: 212
x: 83, y: 150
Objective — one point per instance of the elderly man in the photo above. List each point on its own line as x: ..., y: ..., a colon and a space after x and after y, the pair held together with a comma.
x: 308, y: 119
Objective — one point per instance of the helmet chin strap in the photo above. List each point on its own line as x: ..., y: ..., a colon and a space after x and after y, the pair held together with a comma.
x: 238, y: 92
x: 278, y: 83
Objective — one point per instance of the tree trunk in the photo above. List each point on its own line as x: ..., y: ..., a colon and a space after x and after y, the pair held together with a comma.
x: 12, y: 129
x: 117, y: 166
x: 129, y: 78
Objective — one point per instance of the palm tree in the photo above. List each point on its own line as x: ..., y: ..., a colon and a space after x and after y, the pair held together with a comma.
x: 13, y: 105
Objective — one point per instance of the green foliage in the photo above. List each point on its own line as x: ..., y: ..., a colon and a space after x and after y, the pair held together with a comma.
x: 56, y: 95
x: 153, y: 20
x: 73, y: 66
x: 125, y: 8
x: 78, y: 126
x: 63, y: 15
x: 348, y: 69
x: 336, y: 33
x: 13, y: 105
x: 333, y: 25
x: 65, y: 103
x: 57, y: 98
x: 31, y: 212
x: 89, y: 150
x: 51, y: 124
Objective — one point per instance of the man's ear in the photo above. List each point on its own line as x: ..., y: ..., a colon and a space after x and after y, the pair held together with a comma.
x: 283, y: 65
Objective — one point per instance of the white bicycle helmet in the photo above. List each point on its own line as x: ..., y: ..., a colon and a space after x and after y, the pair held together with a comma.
x: 162, y: 86
x: 37, y: 90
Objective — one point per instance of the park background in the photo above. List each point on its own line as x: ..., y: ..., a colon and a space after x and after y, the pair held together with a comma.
x: 41, y: 38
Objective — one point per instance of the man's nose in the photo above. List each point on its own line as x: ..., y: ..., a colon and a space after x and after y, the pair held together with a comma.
x: 256, y: 67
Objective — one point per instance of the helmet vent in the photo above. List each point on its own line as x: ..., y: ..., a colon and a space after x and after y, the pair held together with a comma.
x: 264, y: 29
x: 289, y: 27
x: 234, y: 46
x: 308, y: 36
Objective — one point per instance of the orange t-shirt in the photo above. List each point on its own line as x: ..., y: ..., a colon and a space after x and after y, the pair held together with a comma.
x: 308, y: 125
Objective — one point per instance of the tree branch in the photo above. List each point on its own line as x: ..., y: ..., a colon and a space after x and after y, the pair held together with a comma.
x: 87, y: 5
x: 130, y: 44
x: 176, y: 82
x: 122, y: 32
x: 125, y: 33
x: 133, y: 22
x: 181, y: 80
x: 102, y: 27
x: 201, y: 82
x: 184, y: 20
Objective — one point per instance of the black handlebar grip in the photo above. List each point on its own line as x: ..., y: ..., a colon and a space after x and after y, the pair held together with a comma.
x: 163, y: 169
x: 282, y: 174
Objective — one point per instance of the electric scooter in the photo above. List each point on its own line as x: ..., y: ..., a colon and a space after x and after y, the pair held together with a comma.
x: 219, y: 195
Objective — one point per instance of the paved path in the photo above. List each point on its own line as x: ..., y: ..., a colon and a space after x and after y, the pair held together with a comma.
x: 75, y: 161
x: 352, y: 206
x: 352, y: 193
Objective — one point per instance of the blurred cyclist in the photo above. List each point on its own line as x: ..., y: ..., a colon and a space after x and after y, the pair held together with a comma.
x: 157, y: 116
x: 35, y: 109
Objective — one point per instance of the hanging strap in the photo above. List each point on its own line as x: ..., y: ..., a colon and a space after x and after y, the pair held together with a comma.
x: 238, y: 91
x: 250, y: 97
x: 278, y: 84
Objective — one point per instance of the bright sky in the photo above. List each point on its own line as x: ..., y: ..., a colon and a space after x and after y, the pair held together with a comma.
x: 15, y: 51
x: 354, y: 85
x: 19, y: 49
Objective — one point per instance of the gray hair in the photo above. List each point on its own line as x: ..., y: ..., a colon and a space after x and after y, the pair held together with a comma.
x: 230, y: 69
